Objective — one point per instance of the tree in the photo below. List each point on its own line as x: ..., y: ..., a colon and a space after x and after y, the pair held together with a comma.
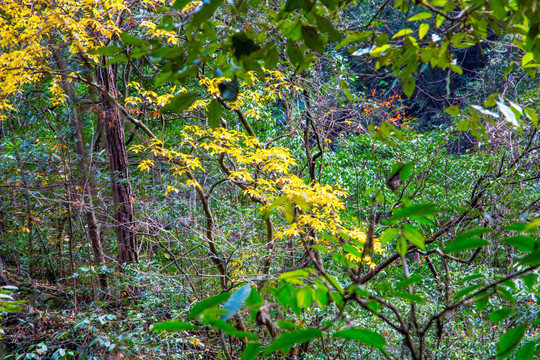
x: 205, y: 75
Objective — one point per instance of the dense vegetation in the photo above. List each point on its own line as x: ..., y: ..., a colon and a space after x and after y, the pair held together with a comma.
x: 250, y: 179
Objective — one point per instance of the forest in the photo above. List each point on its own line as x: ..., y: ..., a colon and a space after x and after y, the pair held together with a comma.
x: 262, y: 179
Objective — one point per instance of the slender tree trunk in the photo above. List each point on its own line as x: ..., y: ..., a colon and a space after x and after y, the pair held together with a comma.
x: 87, y: 179
x: 113, y: 123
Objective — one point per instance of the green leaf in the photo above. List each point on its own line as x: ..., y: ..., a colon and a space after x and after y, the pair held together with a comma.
x: 510, y: 340
x: 287, y: 340
x: 452, y: 110
x: 208, y: 9
x: 499, y: 315
x: 243, y: 45
x: 530, y: 280
x: 173, y: 325
x: 294, y: 53
x: 414, y: 211
x: 467, y: 290
x: 233, y: 303
x: 312, y: 39
x: 498, y: 8
x: 296, y: 274
x: 402, y: 32
x: 464, y: 244
x: 208, y: 303
x: 527, y: 58
x: 270, y: 209
x: 289, y: 212
x: 292, y: 5
x: 251, y: 351
x: 526, y: 352
x: 180, y: 103
x: 472, y: 233
x: 408, y: 84
x: 108, y: 50
x: 345, y: 88
x: 213, y: 113
x: 422, y: 30
x: 131, y: 40
x: 388, y: 235
x: 304, y: 297
x: 415, y: 237
x: 401, y: 246
x: 228, y: 328
x: 117, y: 59
x: 180, y: 4
x: 521, y: 242
x: 532, y: 259
x: 420, y: 16
x: 365, y: 336
x: 325, y: 25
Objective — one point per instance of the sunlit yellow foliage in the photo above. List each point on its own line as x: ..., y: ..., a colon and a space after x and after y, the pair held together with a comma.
x: 32, y: 31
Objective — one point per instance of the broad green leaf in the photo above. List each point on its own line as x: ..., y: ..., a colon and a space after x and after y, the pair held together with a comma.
x: 131, y: 40
x: 526, y: 352
x: 207, y: 10
x: 415, y: 237
x: 469, y: 289
x: 464, y: 244
x: 228, y: 328
x: 453, y: 110
x: 180, y: 4
x: 521, y: 242
x: 422, y: 30
x: 251, y: 351
x: 532, y: 259
x: 117, y: 59
x: 233, y: 303
x: 208, y: 303
x: 325, y: 25
x: 420, y: 16
x: 180, y: 103
x: 289, y: 212
x: 304, y: 297
x: 243, y: 45
x: 498, y: 8
x: 527, y: 58
x: 312, y: 39
x: 530, y: 280
x: 499, y: 315
x: 214, y: 113
x: 401, y: 246
x: 472, y: 233
x: 294, y: 53
x: 292, y: 5
x: 173, y: 325
x: 365, y: 336
x: 108, y: 50
x: 388, y: 235
x: 510, y: 340
x: 402, y: 32
x: 285, y: 341
x: 345, y: 88
x: 408, y: 84
x: 414, y: 211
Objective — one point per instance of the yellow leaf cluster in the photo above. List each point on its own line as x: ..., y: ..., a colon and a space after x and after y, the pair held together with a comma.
x: 30, y: 31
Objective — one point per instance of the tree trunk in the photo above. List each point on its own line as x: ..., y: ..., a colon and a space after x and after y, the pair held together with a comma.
x: 113, y: 123
x: 87, y: 179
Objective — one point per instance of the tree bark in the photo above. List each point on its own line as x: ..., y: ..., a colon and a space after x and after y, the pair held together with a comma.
x: 87, y: 179
x: 113, y: 123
